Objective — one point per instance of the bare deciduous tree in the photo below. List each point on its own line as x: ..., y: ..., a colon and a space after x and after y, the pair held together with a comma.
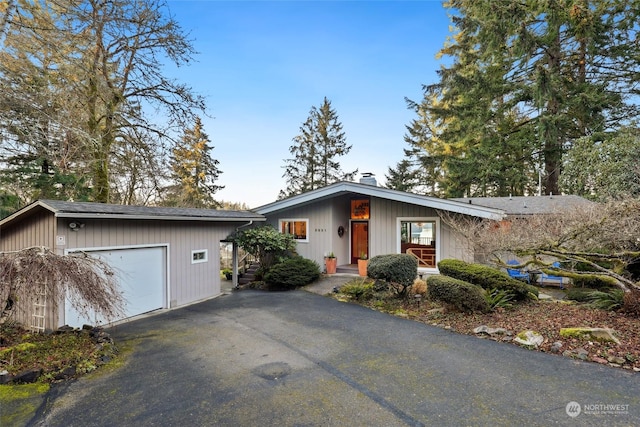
x: 88, y: 283
x: 605, y: 238
x: 81, y: 82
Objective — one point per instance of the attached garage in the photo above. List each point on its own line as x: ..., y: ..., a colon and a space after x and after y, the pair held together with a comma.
x: 164, y: 257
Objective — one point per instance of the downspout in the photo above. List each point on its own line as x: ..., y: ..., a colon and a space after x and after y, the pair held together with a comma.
x: 234, y: 257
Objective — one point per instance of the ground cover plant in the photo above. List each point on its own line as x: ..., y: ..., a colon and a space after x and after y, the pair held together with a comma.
x: 547, y: 317
x: 51, y: 357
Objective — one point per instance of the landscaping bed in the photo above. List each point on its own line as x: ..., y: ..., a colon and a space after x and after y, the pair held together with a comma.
x: 27, y: 357
x: 546, y: 317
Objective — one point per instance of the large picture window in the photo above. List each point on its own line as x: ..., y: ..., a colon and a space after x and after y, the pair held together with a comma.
x: 296, y: 227
x: 419, y: 238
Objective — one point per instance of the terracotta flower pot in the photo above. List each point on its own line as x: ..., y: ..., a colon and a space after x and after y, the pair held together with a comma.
x: 362, y: 267
x: 331, y: 264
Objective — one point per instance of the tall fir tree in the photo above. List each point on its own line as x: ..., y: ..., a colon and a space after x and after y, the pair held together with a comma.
x: 526, y: 80
x: 194, y: 171
x: 316, y: 149
x: 403, y: 177
x: 604, y: 169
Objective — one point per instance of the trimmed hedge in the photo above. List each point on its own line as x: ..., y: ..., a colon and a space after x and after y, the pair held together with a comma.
x: 398, y: 268
x: 292, y: 273
x: 462, y: 295
x: 486, y: 277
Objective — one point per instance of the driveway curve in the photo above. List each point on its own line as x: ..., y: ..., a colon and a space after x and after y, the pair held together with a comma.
x: 299, y: 359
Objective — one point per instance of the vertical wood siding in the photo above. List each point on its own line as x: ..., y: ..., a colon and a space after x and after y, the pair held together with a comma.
x: 187, y: 282
x: 384, y: 235
x: 321, y: 216
x: 325, y: 217
x: 38, y: 229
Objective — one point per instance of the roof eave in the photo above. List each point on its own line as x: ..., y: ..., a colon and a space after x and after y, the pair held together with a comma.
x: 25, y: 210
x: 80, y: 215
x: 368, y: 190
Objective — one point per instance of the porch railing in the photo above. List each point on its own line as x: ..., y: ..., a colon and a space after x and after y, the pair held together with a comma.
x: 426, y: 256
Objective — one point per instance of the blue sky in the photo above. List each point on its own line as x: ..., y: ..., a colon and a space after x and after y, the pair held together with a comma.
x: 262, y: 65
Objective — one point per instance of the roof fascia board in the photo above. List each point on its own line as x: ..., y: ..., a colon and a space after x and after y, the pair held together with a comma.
x: 80, y: 215
x: 25, y: 210
x: 368, y: 190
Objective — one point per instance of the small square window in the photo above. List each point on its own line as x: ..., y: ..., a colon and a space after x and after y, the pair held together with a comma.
x: 198, y: 256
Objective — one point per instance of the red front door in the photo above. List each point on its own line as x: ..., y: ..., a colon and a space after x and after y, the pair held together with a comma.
x: 359, y: 240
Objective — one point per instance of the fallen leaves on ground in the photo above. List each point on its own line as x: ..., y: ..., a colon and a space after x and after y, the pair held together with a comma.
x: 544, y: 317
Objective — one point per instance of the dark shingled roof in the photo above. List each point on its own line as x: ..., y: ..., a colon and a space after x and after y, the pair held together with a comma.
x: 521, y: 205
x: 108, y: 209
x: 104, y: 210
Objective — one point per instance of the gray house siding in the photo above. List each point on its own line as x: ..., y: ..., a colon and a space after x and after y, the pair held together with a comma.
x: 184, y: 281
x: 321, y: 219
x: 327, y: 215
x: 38, y: 229
x: 187, y: 282
x: 384, y: 237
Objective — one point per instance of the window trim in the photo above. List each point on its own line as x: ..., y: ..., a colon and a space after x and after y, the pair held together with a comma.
x: 438, y: 237
x: 199, y: 261
x: 305, y: 220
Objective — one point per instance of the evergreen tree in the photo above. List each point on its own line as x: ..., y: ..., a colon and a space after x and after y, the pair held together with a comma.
x: 194, y: 170
x: 315, y: 149
x: 604, y: 169
x: 403, y: 177
x: 527, y: 79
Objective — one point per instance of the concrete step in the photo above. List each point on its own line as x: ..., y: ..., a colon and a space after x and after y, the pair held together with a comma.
x: 249, y: 275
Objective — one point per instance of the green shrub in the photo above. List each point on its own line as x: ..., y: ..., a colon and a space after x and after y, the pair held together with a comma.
x: 358, y: 289
x: 610, y: 301
x: 462, y: 295
x: 266, y: 243
x: 399, y: 270
x: 498, y: 298
x: 292, y: 273
x: 579, y: 294
x: 486, y: 277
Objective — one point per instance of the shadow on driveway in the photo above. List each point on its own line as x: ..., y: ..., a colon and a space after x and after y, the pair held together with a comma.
x: 300, y: 359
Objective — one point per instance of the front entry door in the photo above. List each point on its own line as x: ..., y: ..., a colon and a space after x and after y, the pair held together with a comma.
x: 359, y: 240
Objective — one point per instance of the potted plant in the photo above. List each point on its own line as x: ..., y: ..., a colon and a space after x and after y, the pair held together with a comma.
x: 227, y: 273
x: 331, y: 263
x: 362, y: 264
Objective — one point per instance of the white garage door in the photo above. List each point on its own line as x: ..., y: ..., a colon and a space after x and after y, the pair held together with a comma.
x: 142, y: 276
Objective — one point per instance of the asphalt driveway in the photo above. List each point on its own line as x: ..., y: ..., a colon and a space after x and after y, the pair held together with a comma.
x: 299, y: 359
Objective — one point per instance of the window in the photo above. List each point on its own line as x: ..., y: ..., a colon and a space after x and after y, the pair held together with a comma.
x: 296, y: 227
x: 419, y: 237
x: 198, y: 256
x: 360, y: 209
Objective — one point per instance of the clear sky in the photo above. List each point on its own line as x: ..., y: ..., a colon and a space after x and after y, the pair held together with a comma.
x: 262, y: 65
